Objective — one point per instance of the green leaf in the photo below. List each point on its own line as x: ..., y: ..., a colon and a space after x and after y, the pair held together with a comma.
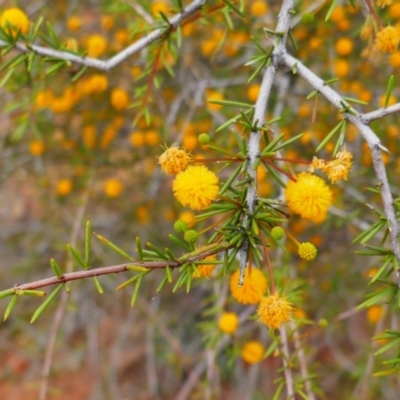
x: 97, y: 283
x: 157, y: 251
x: 258, y: 69
x: 230, y: 180
x: 179, y: 36
x: 79, y: 73
x: 331, y: 9
x: 7, y: 76
x: 55, y: 67
x: 139, y: 248
x: 76, y: 256
x: 389, y: 90
x: 114, y: 247
x: 329, y: 136
x: 55, y: 268
x: 20, y: 131
x: 388, y: 346
x: 55, y: 42
x: 162, y: 284
x: 376, y: 297
x: 10, y: 306
x: 234, y: 9
x: 381, y: 270
x: 229, y: 103
x: 128, y: 282
x: 136, y: 290
x: 6, y: 293
x: 44, y: 305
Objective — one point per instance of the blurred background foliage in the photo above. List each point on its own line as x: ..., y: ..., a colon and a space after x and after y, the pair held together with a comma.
x: 89, y: 147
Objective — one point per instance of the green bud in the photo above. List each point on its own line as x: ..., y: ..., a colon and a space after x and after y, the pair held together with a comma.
x: 204, y: 138
x: 307, y: 18
x: 191, y: 236
x: 181, y: 226
x: 277, y: 232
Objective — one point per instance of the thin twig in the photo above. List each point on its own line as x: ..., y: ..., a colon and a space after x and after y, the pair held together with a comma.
x: 107, y: 65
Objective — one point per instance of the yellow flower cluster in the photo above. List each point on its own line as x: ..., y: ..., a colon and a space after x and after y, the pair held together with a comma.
x: 253, y: 289
x: 228, y: 322
x: 14, y: 20
x: 196, y: 187
x: 205, y: 270
x: 387, y: 40
x: 274, y: 310
x: 335, y: 170
x: 174, y: 160
x: 307, y: 251
x: 309, y: 196
x: 253, y: 352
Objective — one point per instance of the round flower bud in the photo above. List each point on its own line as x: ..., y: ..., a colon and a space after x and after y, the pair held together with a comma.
x: 191, y: 236
x: 181, y: 226
x: 204, y: 138
x: 228, y: 322
x: 277, y: 232
x: 307, y: 251
x: 307, y: 18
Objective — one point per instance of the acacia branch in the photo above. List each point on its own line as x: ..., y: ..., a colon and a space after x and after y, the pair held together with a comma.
x: 116, y: 269
x: 106, y: 65
x: 361, y: 122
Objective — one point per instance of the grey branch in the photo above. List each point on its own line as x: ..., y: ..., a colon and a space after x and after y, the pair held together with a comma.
x: 116, y: 269
x: 106, y: 65
x: 361, y: 121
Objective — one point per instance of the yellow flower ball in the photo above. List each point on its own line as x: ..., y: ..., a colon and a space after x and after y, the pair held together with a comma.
x: 119, y: 99
x: 274, y: 310
x: 107, y: 22
x: 14, y: 20
x: 228, y: 322
x: 344, y: 46
x: 394, y: 10
x: 174, y: 160
x: 137, y: 139
x: 253, y: 91
x: 36, y: 148
x: 214, y: 95
x: 341, y: 68
x: 188, y: 217
x: 258, y: 8
x: 74, y: 23
x: 64, y: 187
x: 113, y: 188
x: 159, y: 6
x: 121, y: 36
x: 196, y: 187
x: 96, y: 45
x: 152, y: 138
x: 253, y: 289
x: 205, y: 270
x: 374, y: 314
x: 89, y: 136
x: 309, y: 196
x: 394, y: 59
x: 388, y: 39
x: 253, y: 352
x: 307, y: 251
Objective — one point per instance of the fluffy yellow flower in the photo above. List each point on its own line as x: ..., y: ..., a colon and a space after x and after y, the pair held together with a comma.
x: 228, y: 322
x: 253, y: 289
x: 253, y: 352
x: 14, y: 20
x: 113, y: 188
x: 307, y: 251
x: 387, y: 39
x: 64, y: 187
x: 205, y: 270
x: 119, y: 99
x: 96, y: 45
x: 309, y: 196
x: 196, y: 187
x: 174, y: 160
x: 274, y: 310
x: 335, y: 170
x: 384, y: 3
x: 36, y: 148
